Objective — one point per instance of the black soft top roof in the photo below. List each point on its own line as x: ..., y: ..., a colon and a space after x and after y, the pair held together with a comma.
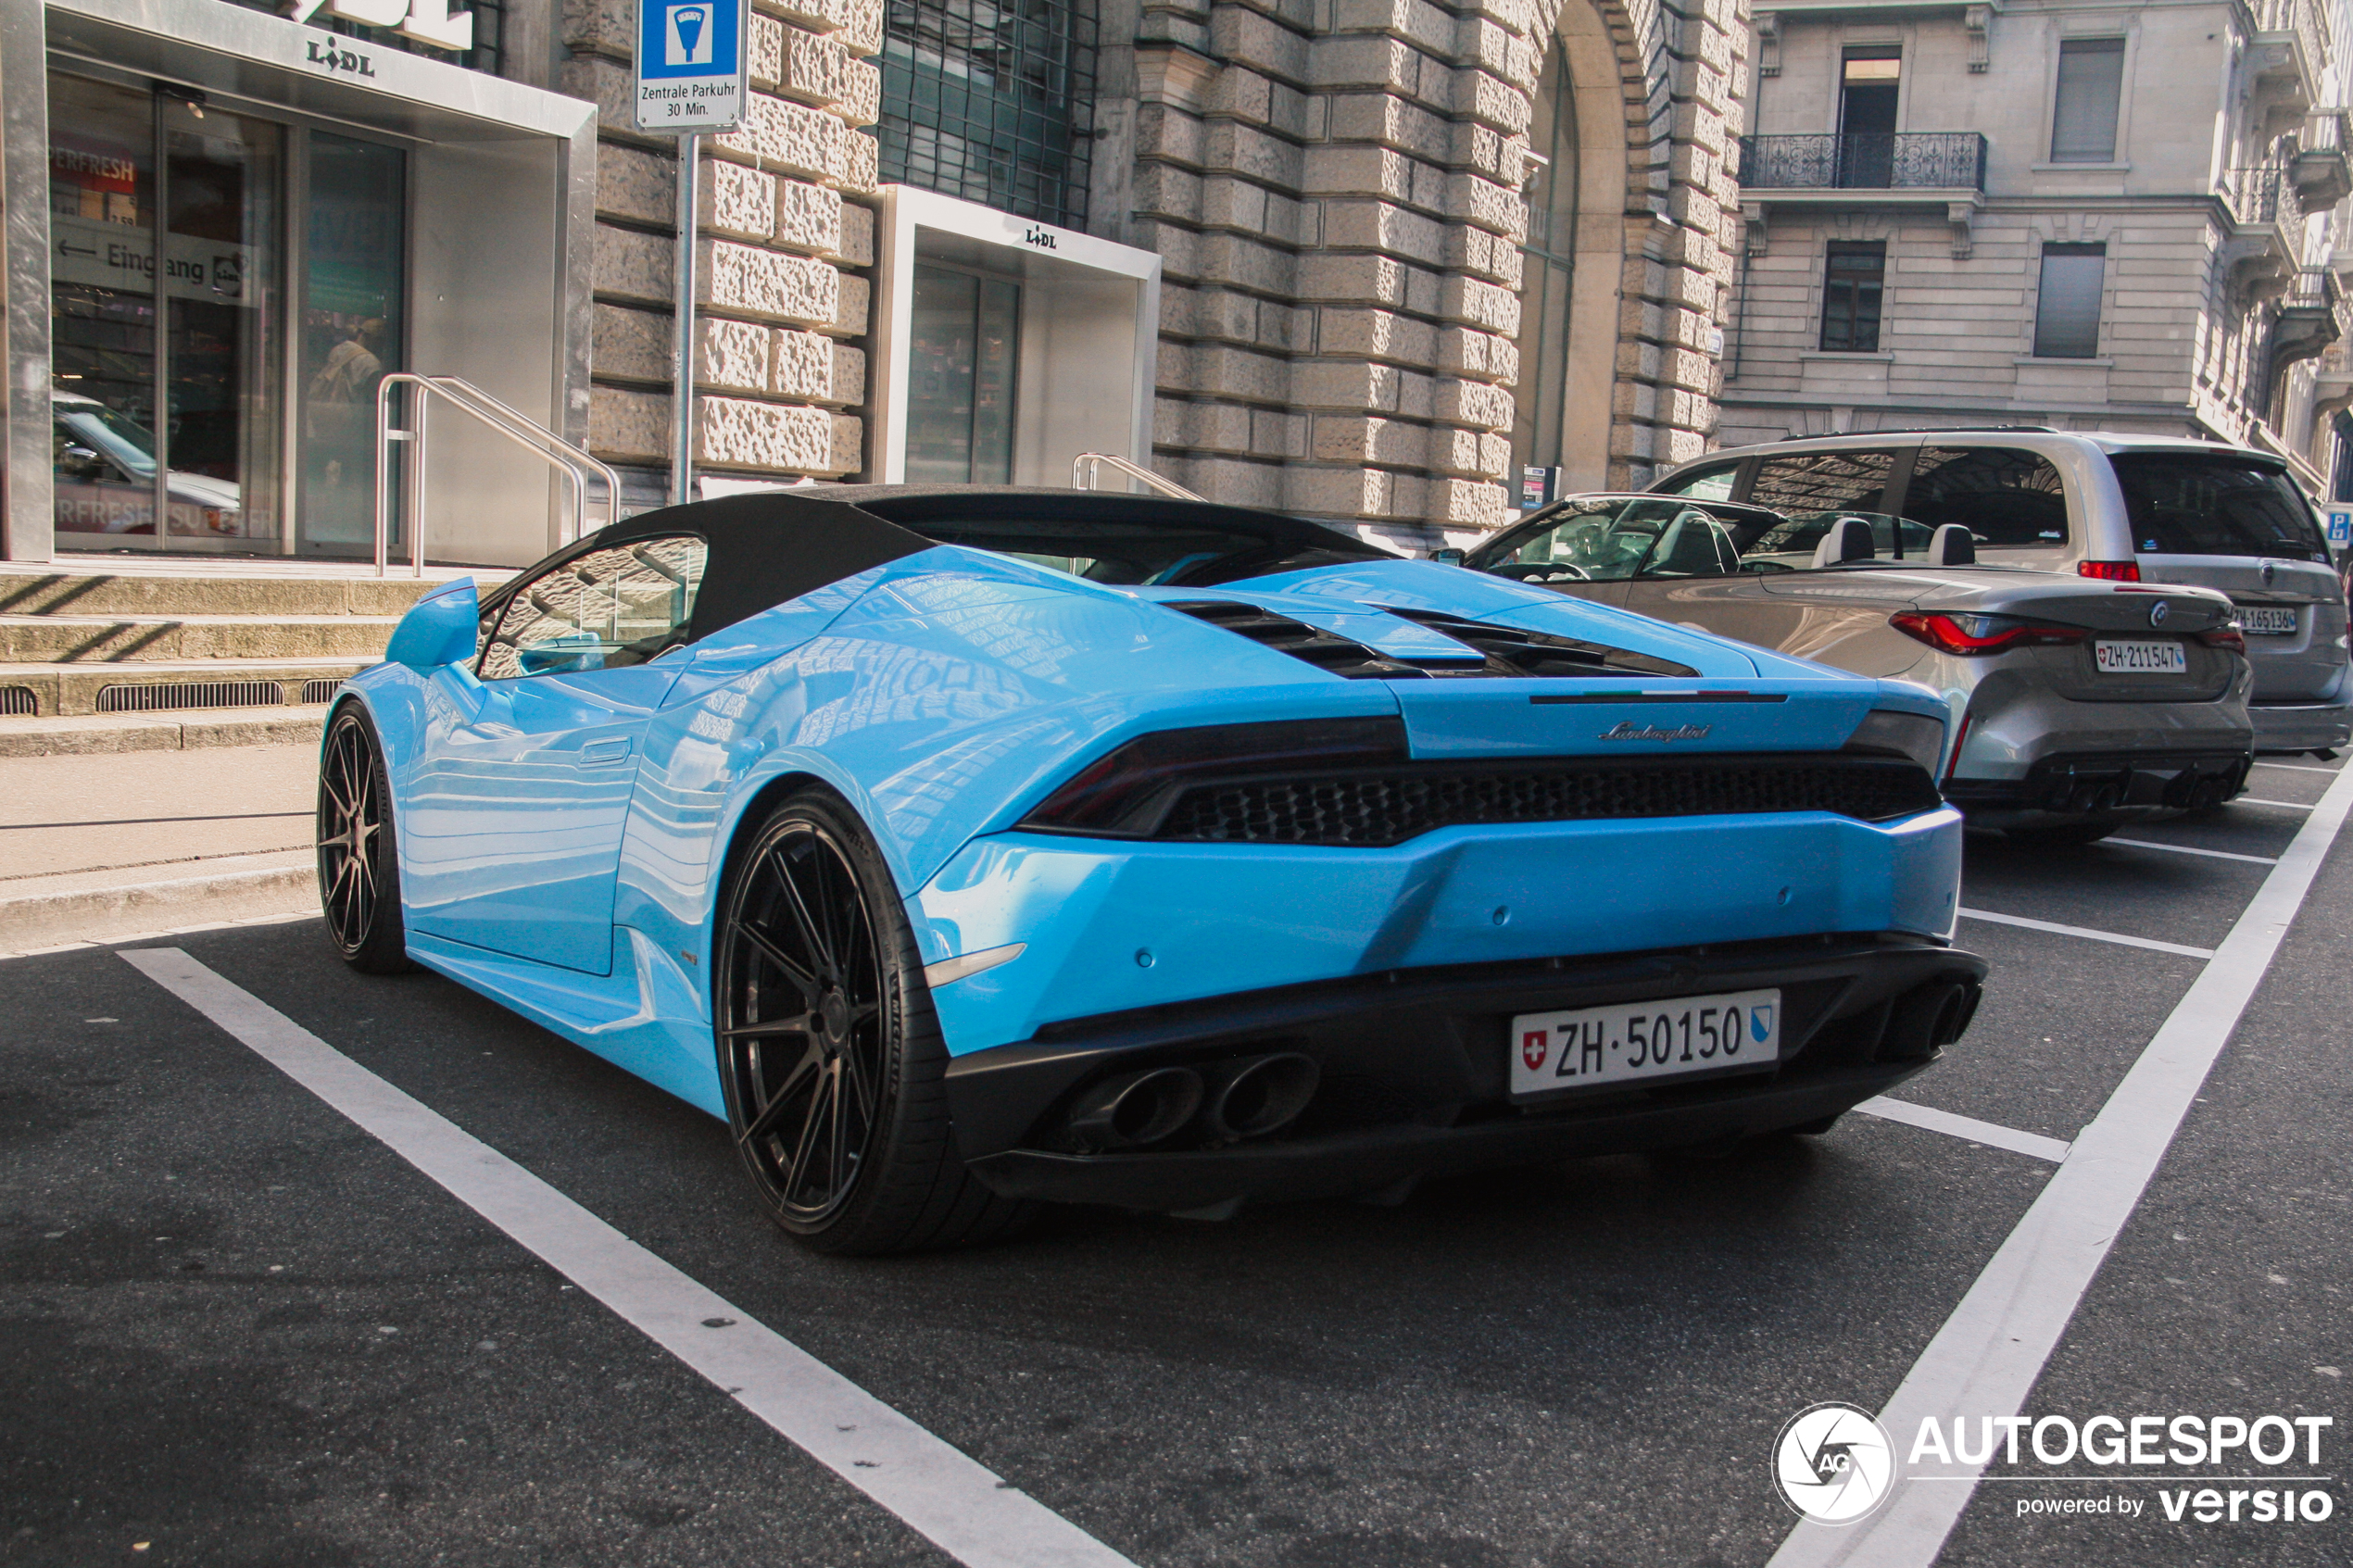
x: 774, y: 545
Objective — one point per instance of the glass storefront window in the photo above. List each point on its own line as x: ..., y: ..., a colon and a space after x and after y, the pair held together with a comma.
x: 354, y: 281
x: 239, y: 421
x: 217, y: 433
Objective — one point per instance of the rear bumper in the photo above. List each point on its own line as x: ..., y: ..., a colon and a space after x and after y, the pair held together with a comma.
x: 2107, y: 786
x: 1413, y: 1077
x: 2290, y: 727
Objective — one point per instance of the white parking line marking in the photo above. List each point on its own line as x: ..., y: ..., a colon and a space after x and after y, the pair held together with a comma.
x: 2116, y: 937
x: 2258, y: 801
x: 2297, y: 767
x: 1985, y: 1361
x: 1969, y: 1127
x: 2185, y: 849
x: 957, y: 1505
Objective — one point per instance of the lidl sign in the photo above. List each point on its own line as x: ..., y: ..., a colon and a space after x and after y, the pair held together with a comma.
x: 690, y: 65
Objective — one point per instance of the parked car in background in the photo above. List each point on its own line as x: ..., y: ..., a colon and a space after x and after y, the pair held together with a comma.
x: 104, y: 474
x: 963, y: 847
x: 2082, y: 704
x: 2127, y: 509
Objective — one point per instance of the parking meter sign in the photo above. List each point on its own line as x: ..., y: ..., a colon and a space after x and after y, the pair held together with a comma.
x: 2341, y: 528
x: 690, y: 65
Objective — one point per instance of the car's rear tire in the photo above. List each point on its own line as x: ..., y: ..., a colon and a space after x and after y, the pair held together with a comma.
x: 2063, y: 835
x: 359, y: 858
x: 829, y: 1050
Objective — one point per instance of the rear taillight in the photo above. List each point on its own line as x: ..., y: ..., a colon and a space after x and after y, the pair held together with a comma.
x: 2229, y: 637
x: 1971, y: 635
x: 1126, y: 793
x: 2109, y: 570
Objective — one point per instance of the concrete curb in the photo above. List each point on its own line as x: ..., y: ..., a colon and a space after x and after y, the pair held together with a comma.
x: 186, y: 730
x: 102, y: 914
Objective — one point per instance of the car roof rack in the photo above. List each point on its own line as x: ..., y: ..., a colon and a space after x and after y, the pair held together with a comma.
x: 1922, y: 430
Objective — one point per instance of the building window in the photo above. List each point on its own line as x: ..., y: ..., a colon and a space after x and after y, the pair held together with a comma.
x: 1548, y: 262
x: 987, y: 101
x: 2091, y: 85
x: 1871, y: 78
x: 2067, y: 311
x: 1851, y: 289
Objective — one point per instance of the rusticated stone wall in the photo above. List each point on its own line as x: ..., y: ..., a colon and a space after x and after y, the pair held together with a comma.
x: 1335, y: 186
x: 785, y: 235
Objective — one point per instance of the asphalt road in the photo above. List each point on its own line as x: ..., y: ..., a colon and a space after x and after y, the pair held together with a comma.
x: 239, y: 1330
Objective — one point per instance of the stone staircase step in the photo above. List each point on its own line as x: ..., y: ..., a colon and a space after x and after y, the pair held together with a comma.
x: 65, y: 690
x: 185, y: 730
x: 62, y: 639
x: 33, y: 590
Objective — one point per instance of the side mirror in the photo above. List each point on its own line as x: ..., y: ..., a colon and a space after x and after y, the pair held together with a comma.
x: 1450, y: 556
x: 439, y: 630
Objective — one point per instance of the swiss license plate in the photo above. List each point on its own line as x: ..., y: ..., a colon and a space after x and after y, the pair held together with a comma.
x: 2140, y: 658
x: 2274, y: 621
x: 1645, y: 1042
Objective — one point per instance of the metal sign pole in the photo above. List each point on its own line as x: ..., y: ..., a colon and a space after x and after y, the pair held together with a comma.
x: 691, y: 81
x: 682, y: 401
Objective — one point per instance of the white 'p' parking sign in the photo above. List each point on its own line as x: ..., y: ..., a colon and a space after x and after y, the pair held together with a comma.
x: 690, y: 65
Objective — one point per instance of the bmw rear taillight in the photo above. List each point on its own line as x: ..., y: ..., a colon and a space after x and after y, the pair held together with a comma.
x: 2226, y: 637
x: 2109, y: 570
x: 1126, y: 793
x: 1970, y: 635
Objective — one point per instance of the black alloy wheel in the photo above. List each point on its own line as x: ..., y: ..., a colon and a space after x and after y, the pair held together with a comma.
x: 358, y: 866
x: 830, y: 1051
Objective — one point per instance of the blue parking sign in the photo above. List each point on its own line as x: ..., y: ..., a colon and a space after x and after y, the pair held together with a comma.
x: 690, y: 65
x: 2340, y: 527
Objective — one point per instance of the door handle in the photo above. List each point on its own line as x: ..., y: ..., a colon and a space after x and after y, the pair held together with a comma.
x: 597, y: 751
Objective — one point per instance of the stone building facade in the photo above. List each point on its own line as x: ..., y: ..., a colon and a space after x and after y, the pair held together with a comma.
x: 1337, y: 190
x: 2081, y: 214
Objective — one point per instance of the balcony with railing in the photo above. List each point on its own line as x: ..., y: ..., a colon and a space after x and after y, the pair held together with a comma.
x: 2263, y: 194
x: 1942, y: 161
x: 2290, y: 56
x: 2267, y: 228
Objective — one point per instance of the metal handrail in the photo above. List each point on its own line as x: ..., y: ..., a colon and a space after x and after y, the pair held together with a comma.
x: 577, y: 466
x: 1086, y: 468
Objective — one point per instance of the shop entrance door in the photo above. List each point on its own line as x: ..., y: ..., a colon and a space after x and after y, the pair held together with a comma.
x: 963, y: 334
x: 239, y: 400
x: 164, y: 399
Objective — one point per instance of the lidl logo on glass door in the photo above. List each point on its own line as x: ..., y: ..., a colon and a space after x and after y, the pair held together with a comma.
x: 690, y: 65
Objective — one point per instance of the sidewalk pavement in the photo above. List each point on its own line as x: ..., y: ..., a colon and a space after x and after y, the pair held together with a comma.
x: 98, y: 848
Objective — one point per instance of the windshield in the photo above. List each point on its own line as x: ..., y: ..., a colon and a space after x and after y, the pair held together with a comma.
x: 1189, y: 555
x: 2190, y: 504
x: 125, y: 443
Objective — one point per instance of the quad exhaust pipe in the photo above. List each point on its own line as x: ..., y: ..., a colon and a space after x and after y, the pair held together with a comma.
x: 1136, y: 1109
x: 1248, y: 1098
x: 1262, y: 1095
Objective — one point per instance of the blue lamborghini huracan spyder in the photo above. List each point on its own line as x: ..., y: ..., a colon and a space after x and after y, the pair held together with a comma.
x: 969, y: 846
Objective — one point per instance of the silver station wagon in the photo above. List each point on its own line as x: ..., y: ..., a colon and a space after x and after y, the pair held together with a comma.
x: 2083, y: 704
x: 2129, y: 509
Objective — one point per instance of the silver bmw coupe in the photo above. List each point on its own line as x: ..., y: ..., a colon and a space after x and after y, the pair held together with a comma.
x: 2082, y: 704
